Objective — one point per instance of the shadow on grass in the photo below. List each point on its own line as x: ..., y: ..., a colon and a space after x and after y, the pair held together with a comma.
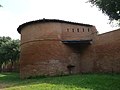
x: 90, y: 81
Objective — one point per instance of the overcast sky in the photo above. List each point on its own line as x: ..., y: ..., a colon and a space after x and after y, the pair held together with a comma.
x: 16, y: 12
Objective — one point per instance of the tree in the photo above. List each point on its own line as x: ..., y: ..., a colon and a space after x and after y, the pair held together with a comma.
x: 2, y: 41
x: 109, y: 7
x: 9, y: 50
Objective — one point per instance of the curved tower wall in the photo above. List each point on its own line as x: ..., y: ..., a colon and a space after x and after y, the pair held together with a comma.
x: 42, y: 50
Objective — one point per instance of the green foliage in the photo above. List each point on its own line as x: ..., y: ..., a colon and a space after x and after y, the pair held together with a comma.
x: 109, y: 7
x: 2, y: 41
x: 11, y: 81
x: 9, y: 50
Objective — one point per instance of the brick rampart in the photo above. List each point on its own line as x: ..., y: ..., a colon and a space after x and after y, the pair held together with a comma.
x: 44, y: 53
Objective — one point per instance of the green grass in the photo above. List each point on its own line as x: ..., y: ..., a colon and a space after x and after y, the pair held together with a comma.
x: 11, y: 81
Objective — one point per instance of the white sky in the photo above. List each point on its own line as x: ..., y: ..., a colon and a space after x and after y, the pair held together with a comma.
x: 16, y: 12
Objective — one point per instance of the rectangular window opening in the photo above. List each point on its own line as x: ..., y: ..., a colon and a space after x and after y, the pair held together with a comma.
x: 83, y: 29
x: 78, y: 30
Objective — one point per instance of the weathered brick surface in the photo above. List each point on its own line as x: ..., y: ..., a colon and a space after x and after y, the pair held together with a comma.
x: 103, y: 55
x: 43, y: 53
x: 107, y: 48
x: 47, y: 58
x: 70, y: 32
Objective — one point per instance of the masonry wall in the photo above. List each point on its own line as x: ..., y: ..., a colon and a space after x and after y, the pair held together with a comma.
x: 88, y: 56
x: 43, y: 53
x: 77, y: 32
x: 44, y: 58
x: 41, y: 31
x: 103, y: 55
x: 107, y: 48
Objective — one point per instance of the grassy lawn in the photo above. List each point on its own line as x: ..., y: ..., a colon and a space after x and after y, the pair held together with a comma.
x: 11, y: 81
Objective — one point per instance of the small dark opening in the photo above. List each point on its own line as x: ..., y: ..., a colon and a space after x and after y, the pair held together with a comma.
x: 70, y: 68
x: 72, y: 30
x: 78, y: 30
x: 88, y: 30
x: 67, y: 30
x: 83, y: 29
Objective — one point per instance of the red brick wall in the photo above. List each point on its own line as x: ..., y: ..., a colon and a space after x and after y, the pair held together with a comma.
x: 107, y: 48
x: 47, y: 58
x: 43, y: 53
x: 77, y: 32
x: 103, y: 55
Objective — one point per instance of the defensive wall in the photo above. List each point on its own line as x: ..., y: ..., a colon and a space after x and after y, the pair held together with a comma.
x: 57, y: 47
